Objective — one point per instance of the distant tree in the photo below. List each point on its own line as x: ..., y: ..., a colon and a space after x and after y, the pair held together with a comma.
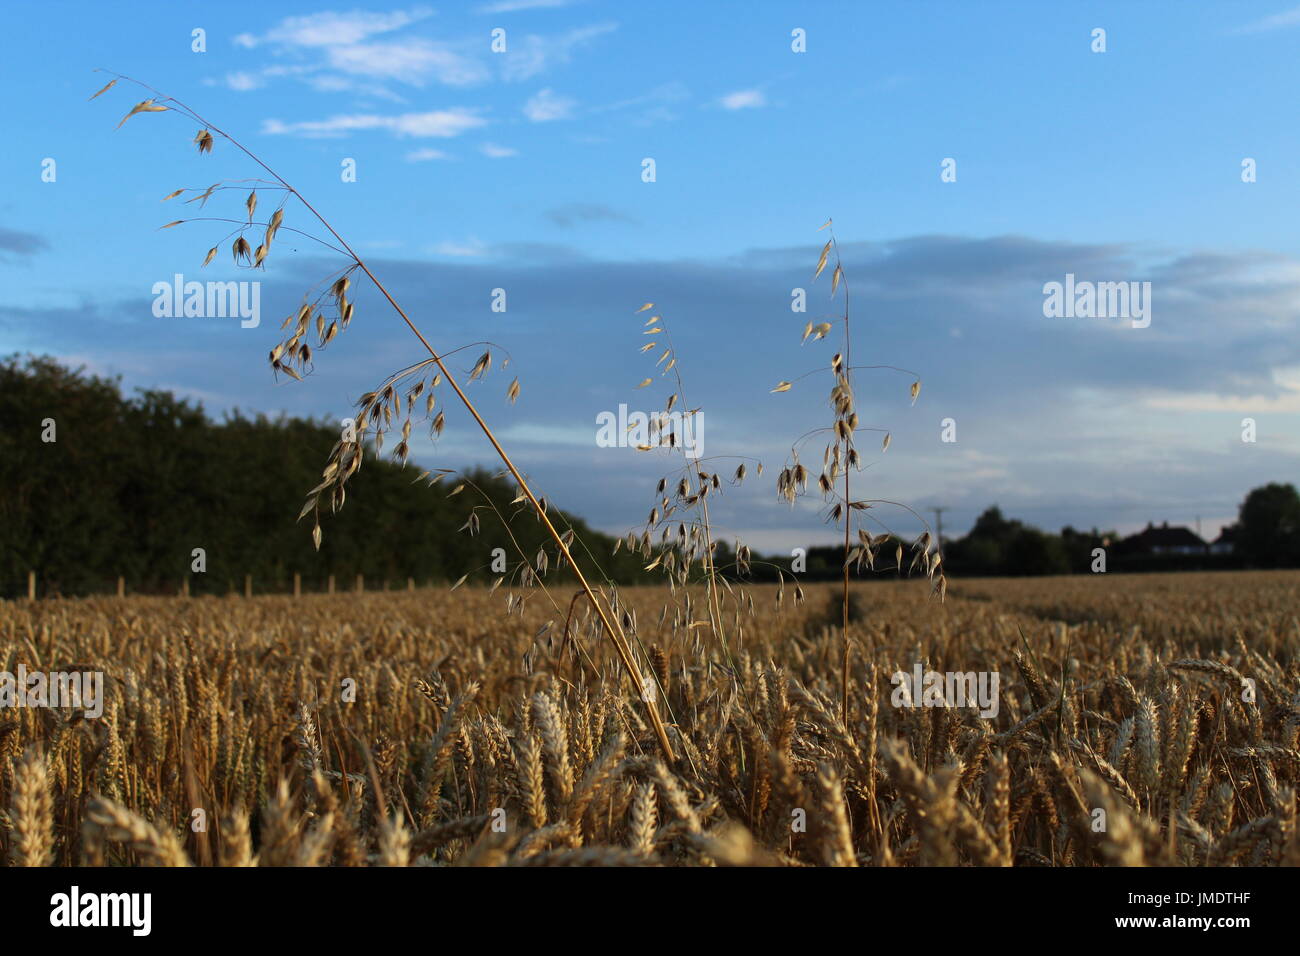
x: 1032, y: 552
x: 992, y: 526
x: 984, y: 548
x: 977, y: 556
x: 1269, y: 521
x: 997, y: 545
x: 1079, y: 546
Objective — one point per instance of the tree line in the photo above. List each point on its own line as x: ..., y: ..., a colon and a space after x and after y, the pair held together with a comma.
x: 1265, y: 535
x: 97, y: 485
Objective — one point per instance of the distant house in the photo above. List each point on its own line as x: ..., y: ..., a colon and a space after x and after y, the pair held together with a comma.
x: 1164, y: 540
x: 1226, y: 541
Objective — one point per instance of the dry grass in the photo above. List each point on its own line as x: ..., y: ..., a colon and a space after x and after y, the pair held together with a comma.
x: 457, y: 752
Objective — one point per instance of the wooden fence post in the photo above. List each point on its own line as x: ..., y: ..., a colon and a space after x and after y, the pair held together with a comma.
x: 361, y: 583
x: 31, y: 585
x: 297, y: 584
x: 121, y: 586
x: 248, y: 585
x: 331, y: 584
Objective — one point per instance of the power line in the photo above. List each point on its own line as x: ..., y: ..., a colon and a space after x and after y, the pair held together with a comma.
x: 938, y: 525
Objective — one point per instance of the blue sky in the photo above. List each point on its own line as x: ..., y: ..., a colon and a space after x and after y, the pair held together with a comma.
x: 522, y: 170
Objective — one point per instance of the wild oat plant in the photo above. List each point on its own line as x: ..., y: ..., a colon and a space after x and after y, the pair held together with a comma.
x: 327, y: 311
x: 840, y: 460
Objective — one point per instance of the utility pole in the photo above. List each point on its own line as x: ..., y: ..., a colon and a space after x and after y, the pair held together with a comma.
x: 938, y: 527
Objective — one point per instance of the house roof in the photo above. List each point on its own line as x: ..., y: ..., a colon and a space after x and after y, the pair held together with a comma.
x: 1227, y: 536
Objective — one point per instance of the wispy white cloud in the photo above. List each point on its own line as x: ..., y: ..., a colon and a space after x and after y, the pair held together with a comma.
x: 663, y: 93
x: 493, y: 151
x: 651, y: 107
x: 532, y: 55
x: 1278, y: 21
x: 436, y: 123
x: 1288, y: 403
x: 243, y: 81
x: 359, y: 52
x: 333, y: 29
x: 521, y: 254
x: 425, y: 155
x: 336, y: 83
x: 355, y: 44
x: 546, y: 106
x: 743, y: 100
x: 410, y: 61
x: 511, y: 6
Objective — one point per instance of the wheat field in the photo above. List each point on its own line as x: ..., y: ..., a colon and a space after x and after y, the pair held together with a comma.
x: 1143, y: 720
